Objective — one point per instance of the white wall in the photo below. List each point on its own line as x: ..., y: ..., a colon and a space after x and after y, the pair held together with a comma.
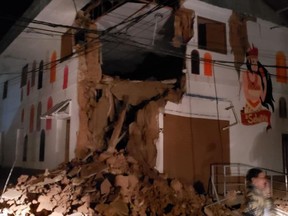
x: 28, y: 47
x: 248, y: 144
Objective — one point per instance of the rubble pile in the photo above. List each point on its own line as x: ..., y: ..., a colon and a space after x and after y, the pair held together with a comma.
x: 220, y: 209
x: 282, y: 203
x: 101, y: 184
x: 233, y: 206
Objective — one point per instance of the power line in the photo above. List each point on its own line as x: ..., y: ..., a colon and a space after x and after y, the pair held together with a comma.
x: 134, y: 21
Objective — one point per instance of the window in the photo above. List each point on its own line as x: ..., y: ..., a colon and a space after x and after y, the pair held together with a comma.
x: 5, y: 90
x: 66, y: 44
x: 40, y: 76
x: 38, y: 120
x: 42, y: 146
x: 31, y: 124
x: 33, y: 73
x: 24, y: 75
x: 211, y: 35
x: 195, y: 61
x: 53, y: 67
x: 25, y: 149
x: 281, y: 67
x: 207, y: 64
x: 65, y: 77
x: 282, y: 108
x: 28, y: 88
x: 49, y: 121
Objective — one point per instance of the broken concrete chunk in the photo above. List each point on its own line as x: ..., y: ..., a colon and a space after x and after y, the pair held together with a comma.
x: 92, y: 169
x: 132, y: 191
x: 76, y: 214
x: 11, y: 194
x: 22, y: 179
x: 74, y: 172
x: 56, y: 214
x: 45, y: 203
x: 77, y: 181
x: 105, y: 187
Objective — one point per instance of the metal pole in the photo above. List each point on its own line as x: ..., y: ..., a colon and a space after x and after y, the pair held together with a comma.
x: 8, y: 178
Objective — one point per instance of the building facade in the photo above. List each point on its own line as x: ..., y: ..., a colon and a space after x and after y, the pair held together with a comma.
x: 233, y: 109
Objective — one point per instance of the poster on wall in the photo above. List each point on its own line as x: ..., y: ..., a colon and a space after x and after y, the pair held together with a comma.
x: 257, y: 87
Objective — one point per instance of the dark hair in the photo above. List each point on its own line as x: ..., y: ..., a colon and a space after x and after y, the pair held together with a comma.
x: 252, y: 173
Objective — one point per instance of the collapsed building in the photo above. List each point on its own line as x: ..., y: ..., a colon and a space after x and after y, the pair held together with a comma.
x: 135, y: 103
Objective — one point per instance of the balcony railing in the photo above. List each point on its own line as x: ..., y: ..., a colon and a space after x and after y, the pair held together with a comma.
x: 231, y: 177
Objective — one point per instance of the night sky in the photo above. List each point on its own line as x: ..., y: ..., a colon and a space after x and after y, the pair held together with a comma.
x: 10, y: 12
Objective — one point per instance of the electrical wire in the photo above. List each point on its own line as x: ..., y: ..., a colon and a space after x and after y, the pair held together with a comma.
x: 56, y: 25
x: 219, y: 62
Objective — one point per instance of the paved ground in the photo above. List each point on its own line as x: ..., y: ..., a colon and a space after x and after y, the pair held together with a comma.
x: 16, y: 172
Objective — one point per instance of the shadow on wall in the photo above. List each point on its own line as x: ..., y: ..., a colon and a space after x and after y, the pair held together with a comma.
x: 267, y: 148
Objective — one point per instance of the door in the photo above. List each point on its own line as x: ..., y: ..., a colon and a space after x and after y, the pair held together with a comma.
x: 285, y: 152
x: 67, y: 140
x: 191, y: 145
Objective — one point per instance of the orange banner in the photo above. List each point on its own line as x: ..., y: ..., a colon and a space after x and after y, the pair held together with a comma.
x: 256, y: 118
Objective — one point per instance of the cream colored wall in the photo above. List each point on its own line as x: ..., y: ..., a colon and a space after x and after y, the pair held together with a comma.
x: 248, y: 144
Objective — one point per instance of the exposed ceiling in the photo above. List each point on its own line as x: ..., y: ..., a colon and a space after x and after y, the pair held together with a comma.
x: 132, y: 44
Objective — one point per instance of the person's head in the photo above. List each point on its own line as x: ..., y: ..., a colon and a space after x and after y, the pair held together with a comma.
x: 257, y: 178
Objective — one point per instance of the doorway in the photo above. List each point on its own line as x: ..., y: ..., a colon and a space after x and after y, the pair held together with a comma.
x: 191, y: 145
x: 67, y: 141
x: 285, y: 152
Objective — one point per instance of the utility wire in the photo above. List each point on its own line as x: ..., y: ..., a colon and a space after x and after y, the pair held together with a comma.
x: 165, y: 51
x: 53, y: 24
x: 220, y: 63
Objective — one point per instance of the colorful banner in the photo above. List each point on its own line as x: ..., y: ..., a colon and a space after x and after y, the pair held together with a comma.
x: 256, y: 118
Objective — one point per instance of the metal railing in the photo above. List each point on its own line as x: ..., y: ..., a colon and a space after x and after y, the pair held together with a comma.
x: 225, y: 177
x: 231, y: 177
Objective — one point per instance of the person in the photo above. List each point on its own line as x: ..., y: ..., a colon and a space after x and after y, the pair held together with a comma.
x: 258, y: 197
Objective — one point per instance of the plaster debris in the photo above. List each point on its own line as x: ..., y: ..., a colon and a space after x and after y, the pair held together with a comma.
x: 11, y: 194
x: 123, y: 187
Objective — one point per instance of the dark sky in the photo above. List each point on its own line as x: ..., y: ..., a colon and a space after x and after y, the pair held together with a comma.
x: 10, y: 12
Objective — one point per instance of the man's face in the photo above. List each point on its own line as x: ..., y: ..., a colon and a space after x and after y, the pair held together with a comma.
x: 261, y: 181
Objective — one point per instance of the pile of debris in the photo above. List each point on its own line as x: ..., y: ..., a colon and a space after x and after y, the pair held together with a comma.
x: 282, y: 203
x: 101, y: 184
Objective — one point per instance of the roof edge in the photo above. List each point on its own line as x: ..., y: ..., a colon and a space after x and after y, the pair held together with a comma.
x: 35, y: 8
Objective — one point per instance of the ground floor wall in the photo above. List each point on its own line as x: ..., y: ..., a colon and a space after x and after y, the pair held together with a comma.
x: 252, y: 145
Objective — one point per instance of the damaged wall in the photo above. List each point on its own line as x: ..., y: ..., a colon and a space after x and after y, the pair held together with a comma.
x: 238, y: 38
x: 113, y: 110
x: 121, y: 114
x: 118, y: 116
x: 204, y: 96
